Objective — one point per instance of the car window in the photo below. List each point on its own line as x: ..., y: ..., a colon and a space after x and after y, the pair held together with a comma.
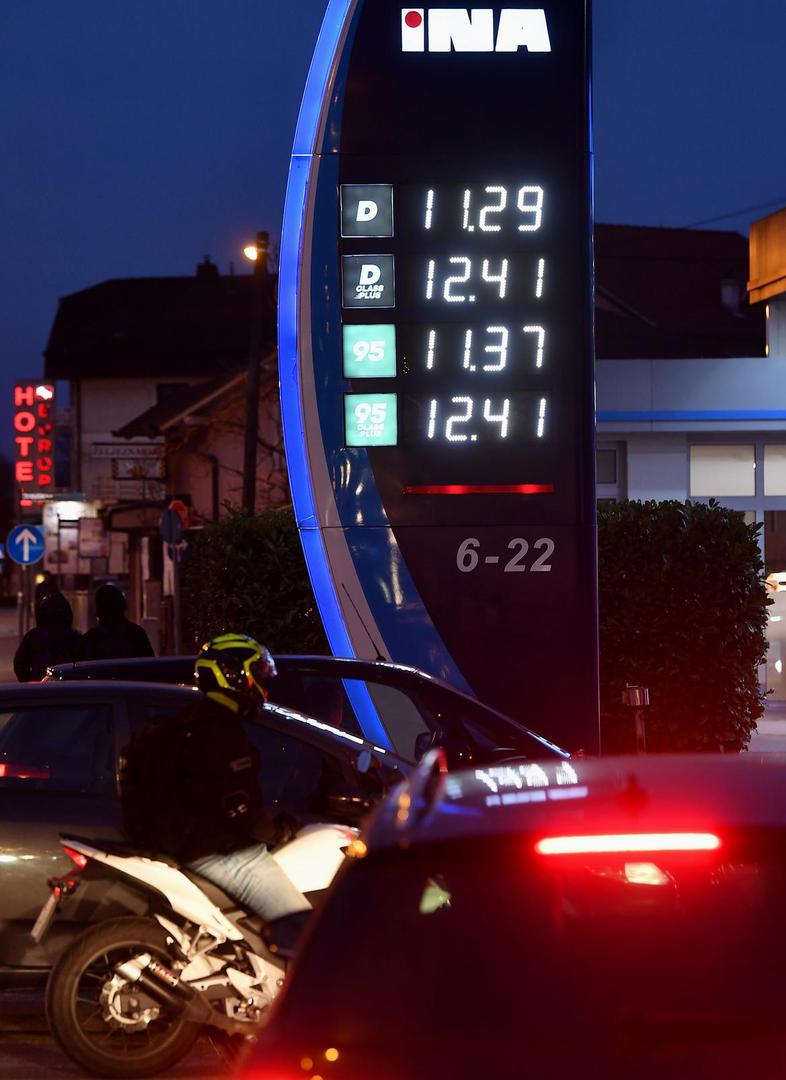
x: 321, y: 696
x: 58, y: 748
x: 671, y: 948
x: 296, y: 777
x: 151, y: 715
x: 403, y: 719
x: 299, y: 778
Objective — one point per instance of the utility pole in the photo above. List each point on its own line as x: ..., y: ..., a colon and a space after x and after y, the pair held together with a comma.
x: 259, y: 307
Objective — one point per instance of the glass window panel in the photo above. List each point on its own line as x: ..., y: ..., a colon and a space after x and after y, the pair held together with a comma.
x: 59, y: 748
x: 775, y: 570
x: 723, y: 471
x: 775, y: 470
x: 607, y: 466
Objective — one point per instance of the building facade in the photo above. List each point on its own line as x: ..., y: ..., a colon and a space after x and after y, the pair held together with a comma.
x: 139, y: 350
x: 697, y: 411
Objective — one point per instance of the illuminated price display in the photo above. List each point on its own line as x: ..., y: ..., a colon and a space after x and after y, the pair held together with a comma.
x: 444, y: 328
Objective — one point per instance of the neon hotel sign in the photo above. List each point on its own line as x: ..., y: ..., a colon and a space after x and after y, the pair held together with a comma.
x: 34, y: 467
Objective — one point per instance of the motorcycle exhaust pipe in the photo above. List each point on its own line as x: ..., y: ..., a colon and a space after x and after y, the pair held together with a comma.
x: 158, y: 981
x: 165, y: 988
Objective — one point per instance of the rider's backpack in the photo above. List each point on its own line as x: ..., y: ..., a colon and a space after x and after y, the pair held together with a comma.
x: 190, y: 787
x: 154, y: 817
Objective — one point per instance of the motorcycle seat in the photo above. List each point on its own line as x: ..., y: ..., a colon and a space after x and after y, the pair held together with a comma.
x: 123, y: 849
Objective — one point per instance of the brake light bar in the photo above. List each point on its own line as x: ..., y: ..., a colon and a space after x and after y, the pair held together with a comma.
x: 623, y: 842
x: 77, y: 858
x: 23, y: 772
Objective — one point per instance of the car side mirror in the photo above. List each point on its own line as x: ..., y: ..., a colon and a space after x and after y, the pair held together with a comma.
x: 282, y: 936
x: 424, y: 742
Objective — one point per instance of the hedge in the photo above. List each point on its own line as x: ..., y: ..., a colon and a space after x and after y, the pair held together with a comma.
x: 248, y: 574
x: 683, y: 611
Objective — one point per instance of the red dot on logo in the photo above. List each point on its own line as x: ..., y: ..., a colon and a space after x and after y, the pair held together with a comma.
x: 413, y: 19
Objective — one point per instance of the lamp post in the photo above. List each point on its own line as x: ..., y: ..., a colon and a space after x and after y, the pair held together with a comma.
x: 259, y: 253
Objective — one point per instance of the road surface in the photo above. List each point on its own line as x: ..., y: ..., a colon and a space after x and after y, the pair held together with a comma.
x: 28, y: 1051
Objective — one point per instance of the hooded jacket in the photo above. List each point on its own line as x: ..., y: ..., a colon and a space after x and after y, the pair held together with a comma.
x: 52, y: 641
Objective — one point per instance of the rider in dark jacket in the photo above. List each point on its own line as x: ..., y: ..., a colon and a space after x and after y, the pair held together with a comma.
x: 51, y: 641
x: 206, y: 809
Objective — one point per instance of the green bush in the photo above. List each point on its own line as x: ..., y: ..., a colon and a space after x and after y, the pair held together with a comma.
x: 683, y: 611
x: 248, y: 574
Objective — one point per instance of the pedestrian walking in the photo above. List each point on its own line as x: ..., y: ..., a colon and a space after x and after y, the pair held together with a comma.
x: 52, y: 640
x: 115, y: 637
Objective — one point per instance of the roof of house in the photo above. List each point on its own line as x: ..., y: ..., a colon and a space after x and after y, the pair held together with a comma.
x: 159, y: 418
x: 661, y: 292
x: 159, y: 326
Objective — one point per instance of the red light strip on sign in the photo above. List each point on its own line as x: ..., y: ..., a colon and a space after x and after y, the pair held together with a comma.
x: 593, y: 845
x: 479, y: 489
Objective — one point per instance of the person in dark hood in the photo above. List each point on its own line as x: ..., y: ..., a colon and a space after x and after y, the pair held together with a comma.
x: 115, y: 637
x: 51, y: 641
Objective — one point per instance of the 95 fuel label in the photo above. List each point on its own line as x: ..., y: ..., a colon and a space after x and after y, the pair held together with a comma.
x: 370, y: 351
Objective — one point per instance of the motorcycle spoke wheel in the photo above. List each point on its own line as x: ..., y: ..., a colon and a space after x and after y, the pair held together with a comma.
x: 115, y: 1030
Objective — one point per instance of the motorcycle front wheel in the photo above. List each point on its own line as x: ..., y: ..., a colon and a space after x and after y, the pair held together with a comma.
x: 106, y: 1024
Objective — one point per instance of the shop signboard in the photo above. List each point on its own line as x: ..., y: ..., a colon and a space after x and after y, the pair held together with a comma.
x: 34, y: 441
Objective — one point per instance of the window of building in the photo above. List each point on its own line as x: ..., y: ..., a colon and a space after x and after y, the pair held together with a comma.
x: 775, y: 469
x: 607, y: 466
x: 775, y: 571
x: 610, y: 471
x: 722, y: 471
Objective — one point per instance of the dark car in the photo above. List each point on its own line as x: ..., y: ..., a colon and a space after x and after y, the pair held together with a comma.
x: 413, y: 711
x: 613, y: 918
x: 60, y: 751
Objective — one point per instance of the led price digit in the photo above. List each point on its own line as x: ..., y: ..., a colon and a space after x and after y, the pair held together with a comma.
x: 494, y: 213
x: 488, y: 275
x: 495, y: 350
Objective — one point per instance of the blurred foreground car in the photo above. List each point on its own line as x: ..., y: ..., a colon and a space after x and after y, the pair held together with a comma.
x: 60, y: 754
x: 417, y: 710
x: 617, y: 918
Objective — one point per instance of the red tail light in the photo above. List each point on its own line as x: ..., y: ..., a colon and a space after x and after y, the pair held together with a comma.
x: 77, y: 858
x: 23, y: 772
x: 627, y: 842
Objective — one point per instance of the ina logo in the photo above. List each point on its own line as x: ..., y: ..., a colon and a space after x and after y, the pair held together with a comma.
x: 473, y: 30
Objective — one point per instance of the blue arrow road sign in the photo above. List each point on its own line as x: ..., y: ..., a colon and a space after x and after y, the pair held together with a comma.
x: 25, y: 544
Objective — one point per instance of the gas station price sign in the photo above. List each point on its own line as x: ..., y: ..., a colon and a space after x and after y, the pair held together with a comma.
x: 442, y: 402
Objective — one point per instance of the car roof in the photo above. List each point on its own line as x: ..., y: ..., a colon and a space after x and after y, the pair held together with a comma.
x: 303, y: 661
x: 383, y: 671
x: 93, y: 668
x: 92, y: 687
x: 655, y: 793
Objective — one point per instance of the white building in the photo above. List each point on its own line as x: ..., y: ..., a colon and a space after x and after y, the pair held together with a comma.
x: 706, y: 424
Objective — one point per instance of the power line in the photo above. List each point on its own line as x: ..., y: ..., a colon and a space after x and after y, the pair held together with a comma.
x: 736, y: 213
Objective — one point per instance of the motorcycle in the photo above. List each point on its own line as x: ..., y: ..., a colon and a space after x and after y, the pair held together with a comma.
x: 130, y: 995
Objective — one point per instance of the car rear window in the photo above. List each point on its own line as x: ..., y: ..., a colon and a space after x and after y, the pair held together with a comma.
x: 58, y: 748
x: 519, y: 953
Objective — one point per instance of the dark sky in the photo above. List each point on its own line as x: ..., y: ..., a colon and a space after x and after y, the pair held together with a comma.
x: 139, y: 135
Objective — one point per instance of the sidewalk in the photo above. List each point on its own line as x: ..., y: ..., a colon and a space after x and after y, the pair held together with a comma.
x: 770, y: 737
x: 9, y: 640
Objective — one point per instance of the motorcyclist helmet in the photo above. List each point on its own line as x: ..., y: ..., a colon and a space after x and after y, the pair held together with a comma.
x: 233, y: 669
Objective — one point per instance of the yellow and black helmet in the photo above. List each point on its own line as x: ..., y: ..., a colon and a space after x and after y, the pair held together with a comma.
x: 233, y: 669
